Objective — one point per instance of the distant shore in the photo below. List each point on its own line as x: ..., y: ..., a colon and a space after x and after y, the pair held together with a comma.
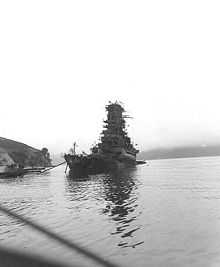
x: 180, y: 152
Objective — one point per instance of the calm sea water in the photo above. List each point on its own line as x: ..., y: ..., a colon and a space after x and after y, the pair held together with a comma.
x: 166, y: 213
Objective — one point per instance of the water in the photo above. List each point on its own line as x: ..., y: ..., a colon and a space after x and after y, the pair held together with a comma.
x: 163, y: 214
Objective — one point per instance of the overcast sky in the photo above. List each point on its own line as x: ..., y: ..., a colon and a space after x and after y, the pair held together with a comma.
x: 62, y: 61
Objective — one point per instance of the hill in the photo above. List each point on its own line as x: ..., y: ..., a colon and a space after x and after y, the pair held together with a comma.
x: 180, y: 152
x: 13, y: 151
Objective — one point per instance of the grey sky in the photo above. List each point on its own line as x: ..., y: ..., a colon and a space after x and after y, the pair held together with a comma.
x: 62, y: 61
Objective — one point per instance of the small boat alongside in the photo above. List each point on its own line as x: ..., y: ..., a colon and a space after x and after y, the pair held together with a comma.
x: 140, y: 162
x: 34, y: 169
x: 11, y: 171
x: 14, y: 170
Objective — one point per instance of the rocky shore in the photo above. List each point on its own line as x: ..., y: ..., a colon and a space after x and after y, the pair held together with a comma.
x: 13, y: 152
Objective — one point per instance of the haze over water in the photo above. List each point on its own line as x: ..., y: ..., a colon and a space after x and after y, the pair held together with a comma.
x: 162, y: 214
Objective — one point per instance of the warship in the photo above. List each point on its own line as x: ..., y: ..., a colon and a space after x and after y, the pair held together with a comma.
x: 114, y: 151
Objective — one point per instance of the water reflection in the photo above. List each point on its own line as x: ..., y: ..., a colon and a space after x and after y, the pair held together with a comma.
x: 121, y: 204
x: 118, y: 192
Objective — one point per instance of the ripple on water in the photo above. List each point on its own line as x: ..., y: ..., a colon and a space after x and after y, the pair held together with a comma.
x: 164, y: 214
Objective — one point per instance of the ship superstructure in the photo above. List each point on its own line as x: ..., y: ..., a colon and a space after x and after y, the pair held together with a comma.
x: 114, y: 137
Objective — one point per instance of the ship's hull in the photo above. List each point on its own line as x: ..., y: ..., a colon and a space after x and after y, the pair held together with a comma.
x: 95, y: 164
